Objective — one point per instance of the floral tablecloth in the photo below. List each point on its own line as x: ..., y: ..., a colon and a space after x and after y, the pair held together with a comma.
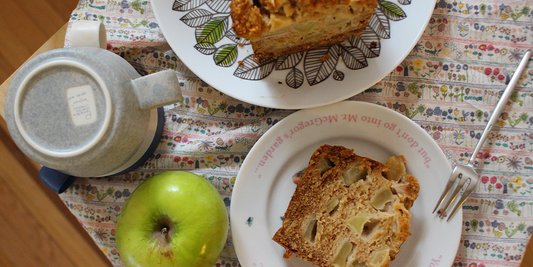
x: 448, y: 85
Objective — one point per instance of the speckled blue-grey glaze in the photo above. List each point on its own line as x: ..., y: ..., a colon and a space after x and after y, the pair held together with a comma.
x: 153, y: 93
x: 45, y: 121
x: 46, y: 116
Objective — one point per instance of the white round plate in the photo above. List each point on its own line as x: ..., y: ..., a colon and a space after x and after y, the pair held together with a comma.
x: 332, y: 80
x: 264, y: 184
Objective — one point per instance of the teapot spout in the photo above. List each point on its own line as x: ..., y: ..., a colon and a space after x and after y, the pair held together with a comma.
x: 157, y: 90
x: 86, y: 33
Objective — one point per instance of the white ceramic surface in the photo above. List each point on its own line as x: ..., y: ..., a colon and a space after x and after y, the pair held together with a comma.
x: 88, y: 33
x: 264, y: 184
x: 273, y: 90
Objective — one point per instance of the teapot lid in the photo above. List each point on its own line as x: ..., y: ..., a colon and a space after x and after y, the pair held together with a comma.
x: 62, y: 108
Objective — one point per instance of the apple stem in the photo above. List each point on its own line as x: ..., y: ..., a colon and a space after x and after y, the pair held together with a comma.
x: 164, y: 232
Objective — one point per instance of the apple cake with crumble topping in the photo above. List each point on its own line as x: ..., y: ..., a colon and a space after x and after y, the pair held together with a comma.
x: 282, y: 27
x: 349, y: 210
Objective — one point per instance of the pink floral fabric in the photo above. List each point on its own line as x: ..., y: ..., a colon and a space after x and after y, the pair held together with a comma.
x: 448, y: 85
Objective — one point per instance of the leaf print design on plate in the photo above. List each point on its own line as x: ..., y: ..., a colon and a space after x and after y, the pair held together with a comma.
x: 213, y: 30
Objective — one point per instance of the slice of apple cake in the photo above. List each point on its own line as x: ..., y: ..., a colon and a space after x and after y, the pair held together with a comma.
x: 349, y: 210
x: 282, y: 27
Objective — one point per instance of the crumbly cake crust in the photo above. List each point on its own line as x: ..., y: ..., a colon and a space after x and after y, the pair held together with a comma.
x: 282, y: 27
x: 316, y: 231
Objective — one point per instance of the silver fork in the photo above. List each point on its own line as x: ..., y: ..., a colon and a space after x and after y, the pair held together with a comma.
x: 467, y: 171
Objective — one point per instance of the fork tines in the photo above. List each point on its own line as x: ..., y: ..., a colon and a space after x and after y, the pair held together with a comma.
x: 466, y: 173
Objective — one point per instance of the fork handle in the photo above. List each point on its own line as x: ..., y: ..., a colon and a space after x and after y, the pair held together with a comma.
x: 500, y: 106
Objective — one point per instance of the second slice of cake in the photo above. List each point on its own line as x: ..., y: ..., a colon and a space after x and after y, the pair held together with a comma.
x: 281, y: 27
x: 349, y: 210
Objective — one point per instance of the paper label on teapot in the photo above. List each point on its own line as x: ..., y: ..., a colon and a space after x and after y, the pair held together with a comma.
x: 82, y: 105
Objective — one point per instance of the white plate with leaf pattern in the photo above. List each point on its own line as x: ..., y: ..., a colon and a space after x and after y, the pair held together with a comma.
x: 200, y: 33
x: 264, y: 184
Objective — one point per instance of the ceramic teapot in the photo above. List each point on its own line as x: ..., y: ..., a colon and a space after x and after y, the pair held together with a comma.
x: 83, y: 111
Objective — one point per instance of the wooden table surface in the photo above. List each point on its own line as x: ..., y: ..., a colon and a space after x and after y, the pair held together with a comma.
x: 36, y: 228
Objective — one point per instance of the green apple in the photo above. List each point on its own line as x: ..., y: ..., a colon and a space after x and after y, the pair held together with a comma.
x: 175, y: 218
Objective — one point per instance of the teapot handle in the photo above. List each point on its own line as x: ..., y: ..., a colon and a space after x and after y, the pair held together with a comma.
x: 157, y: 89
x: 84, y: 33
